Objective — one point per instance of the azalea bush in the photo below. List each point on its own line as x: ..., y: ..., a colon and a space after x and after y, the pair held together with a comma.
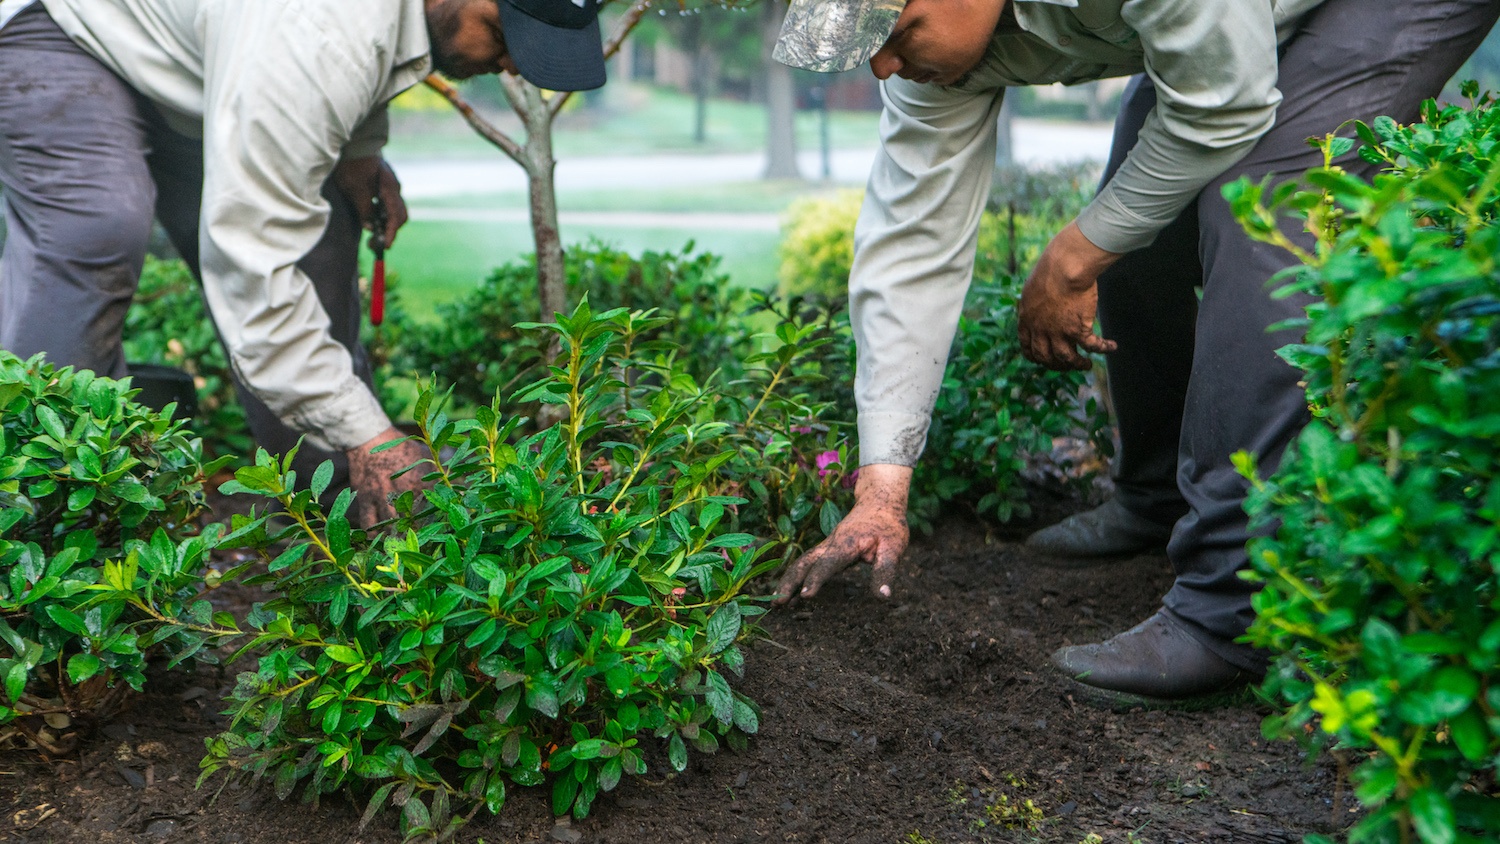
x: 474, y: 344
x: 1380, y: 594
x: 99, y: 565
x: 554, y: 603
x: 999, y: 419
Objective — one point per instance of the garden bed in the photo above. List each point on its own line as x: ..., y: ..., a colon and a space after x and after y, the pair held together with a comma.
x: 933, y: 719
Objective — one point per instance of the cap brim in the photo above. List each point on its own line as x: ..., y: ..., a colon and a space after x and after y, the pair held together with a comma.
x: 553, y: 57
x: 835, y: 35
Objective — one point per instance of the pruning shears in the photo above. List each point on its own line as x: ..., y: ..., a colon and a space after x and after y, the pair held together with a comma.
x: 379, y: 218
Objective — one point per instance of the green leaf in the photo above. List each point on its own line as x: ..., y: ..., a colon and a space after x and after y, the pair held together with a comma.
x: 745, y: 717
x: 542, y: 700
x: 677, y: 753
x: 377, y: 800
x: 1432, y: 816
x: 66, y: 619
x: 494, y: 793
x: 83, y: 666
x: 609, y: 775
x: 564, y: 792
x: 321, y: 478
x: 723, y: 627
x: 344, y: 654
x: 81, y: 498
x: 15, y: 681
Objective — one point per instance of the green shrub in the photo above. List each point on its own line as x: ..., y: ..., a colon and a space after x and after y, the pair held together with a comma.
x: 1053, y: 193
x: 98, y: 497
x: 998, y: 416
x: 817, y: 246
x: 168, y: 324
x: 474, y: 344
x: 559, y: 598
x: 1380, y: 592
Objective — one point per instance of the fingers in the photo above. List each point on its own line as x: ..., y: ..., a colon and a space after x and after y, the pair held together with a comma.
x: 829, y: 564
x: 791, y: 581
x: 883, y: 576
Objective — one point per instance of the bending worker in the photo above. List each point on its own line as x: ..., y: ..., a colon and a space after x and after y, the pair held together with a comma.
x: 1231, y: 88
x: 252, y: 129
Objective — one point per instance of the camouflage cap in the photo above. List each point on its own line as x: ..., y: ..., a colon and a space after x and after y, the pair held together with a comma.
x: 835, y: 35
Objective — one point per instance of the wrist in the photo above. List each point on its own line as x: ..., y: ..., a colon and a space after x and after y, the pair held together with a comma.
x: 884, y: 484
x: 1074, y: 260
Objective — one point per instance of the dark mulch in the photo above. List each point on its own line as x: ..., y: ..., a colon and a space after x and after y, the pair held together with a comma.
x: 931, y: 719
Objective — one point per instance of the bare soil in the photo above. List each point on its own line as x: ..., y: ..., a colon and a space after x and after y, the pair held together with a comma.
x: 933, y: 718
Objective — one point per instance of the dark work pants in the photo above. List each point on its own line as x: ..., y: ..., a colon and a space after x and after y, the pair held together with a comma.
x: 1192, y: 383
x: 85, y: 163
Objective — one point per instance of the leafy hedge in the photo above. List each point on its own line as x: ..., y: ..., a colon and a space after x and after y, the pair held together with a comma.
x: 1380, y: 589
x: 98, y: 568
x: 558, y: 599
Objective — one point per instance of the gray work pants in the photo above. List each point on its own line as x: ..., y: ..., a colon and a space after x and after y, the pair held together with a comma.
x: 85, y: 163
x: 1212, y: 366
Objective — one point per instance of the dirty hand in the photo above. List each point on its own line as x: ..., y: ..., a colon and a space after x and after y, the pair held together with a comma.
x: 370, y: 475
x: 1060, y: 300
x: 874, y: 531
x: 356, y: 179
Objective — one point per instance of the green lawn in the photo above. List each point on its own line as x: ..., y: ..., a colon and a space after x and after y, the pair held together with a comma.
x: 760, y: 197
x: 629, y: 120
x: 435, y: 262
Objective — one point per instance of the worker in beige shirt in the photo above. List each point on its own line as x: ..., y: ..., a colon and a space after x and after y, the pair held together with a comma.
x: 253, y: 131
x: 1229, y: 88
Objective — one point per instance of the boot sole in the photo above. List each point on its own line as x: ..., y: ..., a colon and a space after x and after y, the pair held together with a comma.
x: 1117, y: 701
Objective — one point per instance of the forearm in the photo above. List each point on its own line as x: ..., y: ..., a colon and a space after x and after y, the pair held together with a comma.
x: 914, y: 258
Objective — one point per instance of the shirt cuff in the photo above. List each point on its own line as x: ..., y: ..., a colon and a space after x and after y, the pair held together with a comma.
x: 1109, y: 225
x: 892, y: 438
x: 351, y: 417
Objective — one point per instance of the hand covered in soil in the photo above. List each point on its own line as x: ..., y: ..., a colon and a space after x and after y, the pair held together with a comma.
x: 356, y: 179
x: 370, y: 475
x: 1060, y: 300
x: 874, y: 531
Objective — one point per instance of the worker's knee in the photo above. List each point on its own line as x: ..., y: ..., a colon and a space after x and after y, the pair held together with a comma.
x: 104, y: 243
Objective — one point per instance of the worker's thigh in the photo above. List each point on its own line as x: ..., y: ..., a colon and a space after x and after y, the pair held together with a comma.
x: 78, y: 197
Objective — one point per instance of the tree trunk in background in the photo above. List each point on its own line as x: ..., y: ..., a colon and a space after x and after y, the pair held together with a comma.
x: 692, y: 44
x: 541, y: 165
x: 781, y: 101
x: 1005, y: 151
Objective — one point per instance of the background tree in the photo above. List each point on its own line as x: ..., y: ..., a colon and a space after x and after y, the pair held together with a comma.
x: 537, y: 109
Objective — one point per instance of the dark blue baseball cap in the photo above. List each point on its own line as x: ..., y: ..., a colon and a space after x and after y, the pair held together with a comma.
x: 555, y: 44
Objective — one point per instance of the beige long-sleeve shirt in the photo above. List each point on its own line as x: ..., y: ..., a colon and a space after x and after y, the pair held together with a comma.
x: 1214, y: 66
x: 280, y: 91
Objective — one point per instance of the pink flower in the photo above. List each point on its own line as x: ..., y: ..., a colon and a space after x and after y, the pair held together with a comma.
x: 826, y: 459
x: 802, y: 429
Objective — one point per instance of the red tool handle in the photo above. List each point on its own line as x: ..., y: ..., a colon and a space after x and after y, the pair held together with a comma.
x: 377, y: 246
x: 377, y: 293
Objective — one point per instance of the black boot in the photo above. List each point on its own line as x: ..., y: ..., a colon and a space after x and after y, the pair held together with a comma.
x: 1106, y: 530
x: 1157, y: 664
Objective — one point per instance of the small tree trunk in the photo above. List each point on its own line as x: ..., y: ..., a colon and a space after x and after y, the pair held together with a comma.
x: 781, y: 101
x: 1005, y: 150
x: 541, y: 170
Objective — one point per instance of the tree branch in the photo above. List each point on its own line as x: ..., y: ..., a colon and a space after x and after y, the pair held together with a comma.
x: 480, y: 125
x: 628, y: 23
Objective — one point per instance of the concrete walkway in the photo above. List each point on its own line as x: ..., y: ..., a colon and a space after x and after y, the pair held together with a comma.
x: 1035, y: 141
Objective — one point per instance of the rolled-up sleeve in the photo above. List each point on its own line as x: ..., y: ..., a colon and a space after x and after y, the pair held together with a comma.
x: 1213, y: 63
x: 282, y: 98
x: 914, y: 257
